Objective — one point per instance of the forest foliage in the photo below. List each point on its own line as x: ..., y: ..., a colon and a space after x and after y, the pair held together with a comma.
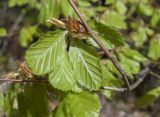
x: 129, y: 28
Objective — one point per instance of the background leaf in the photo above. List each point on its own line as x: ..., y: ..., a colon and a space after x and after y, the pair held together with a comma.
x: 154, y: 48
x: 148, y: 98
x: 3, y: 32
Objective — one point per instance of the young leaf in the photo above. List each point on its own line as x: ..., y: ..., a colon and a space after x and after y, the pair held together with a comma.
x: 79, y: 105
x: 109, y: 34
x: 149, y: 97
x: 63, y: 77
x: 45, y: 54
x: 86, y: 65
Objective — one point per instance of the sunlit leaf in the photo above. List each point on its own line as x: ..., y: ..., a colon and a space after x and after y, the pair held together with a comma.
x: 108, y: 33
x: 45, y: 54
x: 86, y: 65
x: 63, y: 76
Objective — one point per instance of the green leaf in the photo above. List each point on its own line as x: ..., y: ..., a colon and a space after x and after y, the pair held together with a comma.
x: 3, y: 32
x: 63, y: 77
x: 32, y: 102
x: 109, y: 34
x: 120, y: 7
x: 154, y: 48
x: 140, y: 36
x: 155, y: 18
x: 44, y: 55
x: 49, y: 9
x: 109, y: 79
x: 26, y: 34
x: 145, y: 9
x: 1, y: 100
x: 114, y: 19
x: 130, y: 66
x: 13, y: 3
x: 79, y: 105
x: 67, y: 10
x: 86, y: 65
x: 148, y: 98
x: 133, y: 54
x: 108, y: 94
x: 10, y: 102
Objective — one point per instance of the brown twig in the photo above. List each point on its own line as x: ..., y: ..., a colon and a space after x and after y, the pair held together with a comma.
x: 155, y: 75
x: 101, y: 45
x: 11, y: 33
x: 22, y: 81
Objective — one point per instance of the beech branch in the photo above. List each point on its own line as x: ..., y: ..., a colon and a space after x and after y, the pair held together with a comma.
x: 101, y: 45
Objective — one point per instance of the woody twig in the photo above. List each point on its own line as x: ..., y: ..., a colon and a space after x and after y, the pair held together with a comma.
x: 101, y: 45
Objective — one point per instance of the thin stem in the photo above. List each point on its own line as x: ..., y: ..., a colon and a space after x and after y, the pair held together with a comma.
x: 155, y: 75
x: 141, y: 76
x: 101, y: 45
x: 22, y: 81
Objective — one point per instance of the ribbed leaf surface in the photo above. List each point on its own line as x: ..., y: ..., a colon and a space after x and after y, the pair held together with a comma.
x: 44, y: 55
x: 63, y: 76
x: 86, y: 65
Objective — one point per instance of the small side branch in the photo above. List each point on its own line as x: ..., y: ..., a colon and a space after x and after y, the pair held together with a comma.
x: 101, y: 45
x: 22, y: 81
x: 141, y: 76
